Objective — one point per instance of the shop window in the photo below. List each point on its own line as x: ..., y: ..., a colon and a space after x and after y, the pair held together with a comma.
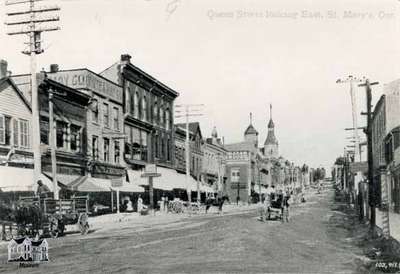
x: 115, y: 118
x: 95, y: 148
x: 106, y: 115
x: 106, y: 150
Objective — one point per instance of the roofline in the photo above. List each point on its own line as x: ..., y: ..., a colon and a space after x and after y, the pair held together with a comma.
x: 19, y: 92
x: 86, y: 69
x: 151, y: 78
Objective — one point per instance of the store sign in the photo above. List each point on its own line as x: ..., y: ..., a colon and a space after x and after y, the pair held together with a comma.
x: 359, y: 167
x: 116, y: 182
x: 84, y: 79
x: 151, y: 168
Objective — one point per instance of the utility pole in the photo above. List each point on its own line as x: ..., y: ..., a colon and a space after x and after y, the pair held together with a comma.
x: 371, y: 185
x: 32, y: 25
x: 186, y: 111
x: 357, y: 157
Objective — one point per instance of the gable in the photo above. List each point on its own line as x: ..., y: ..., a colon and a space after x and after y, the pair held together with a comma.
x: 12, y: 101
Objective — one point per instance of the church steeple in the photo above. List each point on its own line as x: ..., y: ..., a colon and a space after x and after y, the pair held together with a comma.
x: 251, y: 134
x: 271, y: 143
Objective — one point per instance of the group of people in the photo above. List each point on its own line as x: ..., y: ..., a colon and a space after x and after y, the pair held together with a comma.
x: 278, y: 200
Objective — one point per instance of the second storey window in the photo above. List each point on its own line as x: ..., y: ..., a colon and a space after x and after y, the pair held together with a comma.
x: 235, y: 175
x: 95, y: 148
x: 115, y: 118
x: 2, y: 130
x: 24, y: 133
x: 95, y: 111
x: 106, y: 155
x: 106, y: 115
x: 75, y: 138
x: 117, y: 152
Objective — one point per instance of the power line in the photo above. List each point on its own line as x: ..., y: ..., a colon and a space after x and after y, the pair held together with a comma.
x: 32, y: 26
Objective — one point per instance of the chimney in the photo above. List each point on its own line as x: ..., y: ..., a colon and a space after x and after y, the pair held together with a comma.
x: 54, y: 68
x: 3, y: 68
x: 126, y: 58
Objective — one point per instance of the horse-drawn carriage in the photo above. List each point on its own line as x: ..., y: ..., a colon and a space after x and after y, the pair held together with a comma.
x: 48, y: 217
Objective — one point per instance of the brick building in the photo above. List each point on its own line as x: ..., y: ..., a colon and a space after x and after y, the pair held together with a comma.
x: 148, y: 107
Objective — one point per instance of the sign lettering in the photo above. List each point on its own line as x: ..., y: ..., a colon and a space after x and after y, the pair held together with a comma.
x: 84, y: 79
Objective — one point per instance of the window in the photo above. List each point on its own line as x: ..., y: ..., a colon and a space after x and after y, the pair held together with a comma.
x: 24, y: 133
x: 106, y: 152
x: 15, y: 133
x: 115, y: 118
x: 136, y: 108
x: 2, y: 130
x: 132, y: 101
x: 235, y: 175
x: 168, y: 149
x: 75, y: 138
x: 167, y: 119
x: 95, y: 111
x: 95, y: 148
x: 8, y: 130
x: 117, y: 152
x: 155, y: 113
x: 61, y: 135
x: 144, y: 108
x: 162, y: 122
x: 106, y: 115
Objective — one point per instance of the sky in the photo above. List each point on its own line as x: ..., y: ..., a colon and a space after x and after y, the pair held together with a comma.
x: 237, y: 57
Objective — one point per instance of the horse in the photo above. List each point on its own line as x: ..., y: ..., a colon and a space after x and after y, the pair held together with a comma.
x: 218, y: 202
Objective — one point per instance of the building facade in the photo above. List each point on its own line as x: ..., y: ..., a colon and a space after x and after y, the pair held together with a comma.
x: 195, y: 152
x: 69, y: 126
x: 148, y: 107
x: 15, y: 123
x: 105, y: 136
x: 214, y: 162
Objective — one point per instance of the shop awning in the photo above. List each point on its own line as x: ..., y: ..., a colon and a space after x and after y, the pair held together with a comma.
x: 21, y: 179
x: 170, y: 179
x: 90, y: 184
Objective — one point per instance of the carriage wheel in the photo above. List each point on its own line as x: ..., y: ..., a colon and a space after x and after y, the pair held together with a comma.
x: 83, y: 223
x: 53, y: 227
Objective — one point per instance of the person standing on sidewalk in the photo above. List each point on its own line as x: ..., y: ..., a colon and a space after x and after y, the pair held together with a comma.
x: 139, y: 204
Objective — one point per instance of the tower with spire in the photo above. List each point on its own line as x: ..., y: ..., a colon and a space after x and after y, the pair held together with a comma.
x: 271, y: 145
x: 251, y: 134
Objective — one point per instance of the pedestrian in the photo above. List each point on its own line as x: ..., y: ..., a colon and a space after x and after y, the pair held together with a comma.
x: 285, y: 207
x: 162, y: 204
x: 129, y: 207
x: 42, y: 191
x: 139, y: 204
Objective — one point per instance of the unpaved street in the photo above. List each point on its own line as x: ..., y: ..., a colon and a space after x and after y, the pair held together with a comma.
x: 314, y: 241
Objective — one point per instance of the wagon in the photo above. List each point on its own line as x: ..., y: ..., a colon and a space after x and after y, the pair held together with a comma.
x: 50, y: 216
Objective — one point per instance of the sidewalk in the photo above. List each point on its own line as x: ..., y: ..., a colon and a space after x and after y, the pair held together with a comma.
x: 394, y: 222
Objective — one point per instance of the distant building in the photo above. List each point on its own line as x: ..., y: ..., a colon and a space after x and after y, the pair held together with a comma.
x: 214, y: 162
x: 271, y: 145
x: 196, y: 149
